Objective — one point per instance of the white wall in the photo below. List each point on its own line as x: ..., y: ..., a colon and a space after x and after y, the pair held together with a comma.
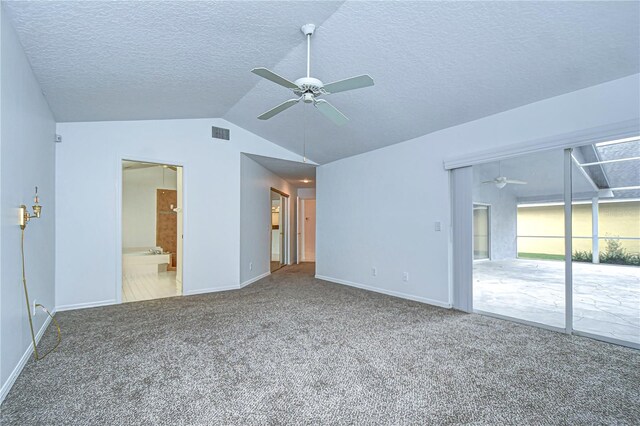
x: 378, y: 209
x: 307, y: 193
x: 27, y: 159
x: 503, y: 213
x: 255, y: 220
x: 88, y: 164
x: 139, y: 193
x: 309, y: 226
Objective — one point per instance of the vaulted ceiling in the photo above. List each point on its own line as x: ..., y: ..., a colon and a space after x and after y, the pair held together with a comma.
x: 435, y: 64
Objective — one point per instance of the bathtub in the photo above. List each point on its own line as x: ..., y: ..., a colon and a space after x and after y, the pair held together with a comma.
x: 143, y: 261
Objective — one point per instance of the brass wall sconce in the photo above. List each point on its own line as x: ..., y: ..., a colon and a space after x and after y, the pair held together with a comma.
x: 24, y: 212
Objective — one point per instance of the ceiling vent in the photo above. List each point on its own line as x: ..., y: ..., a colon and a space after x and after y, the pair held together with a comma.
x: 219, y: 133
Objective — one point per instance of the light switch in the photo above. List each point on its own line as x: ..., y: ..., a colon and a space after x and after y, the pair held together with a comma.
x: 438, y: 226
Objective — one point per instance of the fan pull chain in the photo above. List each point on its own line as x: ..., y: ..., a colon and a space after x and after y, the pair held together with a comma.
x: 304, y: 140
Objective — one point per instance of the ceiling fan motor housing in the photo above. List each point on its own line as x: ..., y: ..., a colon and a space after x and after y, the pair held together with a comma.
x: 309, y: 85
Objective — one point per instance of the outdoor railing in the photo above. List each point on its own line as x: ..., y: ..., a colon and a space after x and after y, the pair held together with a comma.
x: 612, y: 249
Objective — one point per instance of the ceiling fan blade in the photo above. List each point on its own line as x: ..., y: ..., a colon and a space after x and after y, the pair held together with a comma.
x: 331, y: 112
x: 349, y: 84
x: 516, y: 182
x: 272, y: 76
x: 277, y: 110
x: 488, y: 181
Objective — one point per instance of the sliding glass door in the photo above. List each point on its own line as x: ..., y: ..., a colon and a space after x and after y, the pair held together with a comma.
x: 524, y: 274
x: 606, y: 240
x: 556, y: 240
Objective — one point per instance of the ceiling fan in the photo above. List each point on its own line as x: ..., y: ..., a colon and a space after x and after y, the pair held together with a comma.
x: 502, y: 181
x: 308, y: 89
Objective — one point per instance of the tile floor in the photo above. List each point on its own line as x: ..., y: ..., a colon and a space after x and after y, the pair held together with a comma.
x: 606, y: 297
x: 147, y: 287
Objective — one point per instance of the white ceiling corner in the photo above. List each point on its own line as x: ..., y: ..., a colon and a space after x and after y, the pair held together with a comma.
x: 293, y: 172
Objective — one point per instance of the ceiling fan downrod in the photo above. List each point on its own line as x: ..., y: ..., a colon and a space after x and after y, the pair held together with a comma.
x: 308, y: 30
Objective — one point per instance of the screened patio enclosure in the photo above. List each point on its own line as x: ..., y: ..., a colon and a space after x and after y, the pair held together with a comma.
x: 521, y: 235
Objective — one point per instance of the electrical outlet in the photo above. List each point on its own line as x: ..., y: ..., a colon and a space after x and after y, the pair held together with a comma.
x: 374, y: 272
x: 405, y: 276
x: 251, y: 266
x: 33, y: 308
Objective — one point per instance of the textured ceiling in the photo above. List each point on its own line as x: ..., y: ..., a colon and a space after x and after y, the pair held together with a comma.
x: 543, y: 172
x: 132, y: 60
x: 435, y: 64
x: 440, y: 64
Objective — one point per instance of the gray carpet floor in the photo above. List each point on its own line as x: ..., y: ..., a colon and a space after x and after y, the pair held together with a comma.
x: 291, y: 349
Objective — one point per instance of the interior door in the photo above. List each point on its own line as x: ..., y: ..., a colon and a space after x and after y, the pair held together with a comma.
x: 310, y: 230
x: 275, y: 232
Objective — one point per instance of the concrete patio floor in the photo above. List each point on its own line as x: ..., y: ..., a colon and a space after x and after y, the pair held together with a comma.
x: 606, y: 297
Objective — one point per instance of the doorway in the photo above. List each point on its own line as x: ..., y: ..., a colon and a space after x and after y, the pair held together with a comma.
x: 278, y: 230
x: 481, y: 232
x: 151, y: 231
x: 307, y: 228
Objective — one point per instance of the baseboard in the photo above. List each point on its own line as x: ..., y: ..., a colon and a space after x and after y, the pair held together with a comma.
x: 387, y: 292
x: 231, y: 287
x: 253, y: 280
x: 6, y: 387
x: 85, y: 305
x: 210, y: 290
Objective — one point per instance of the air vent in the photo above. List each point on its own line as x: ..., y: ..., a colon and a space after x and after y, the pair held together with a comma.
x: 219, y: 133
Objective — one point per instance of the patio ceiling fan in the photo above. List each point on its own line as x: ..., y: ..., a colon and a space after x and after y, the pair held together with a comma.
x: 502, y: 181
x: 309, y: 89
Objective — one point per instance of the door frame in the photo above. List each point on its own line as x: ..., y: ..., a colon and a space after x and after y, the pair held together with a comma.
x: 118, y: 214
x: 284, y: 232
x: 299, y: 240
x: 301, y: 256
x: 300, y: 225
